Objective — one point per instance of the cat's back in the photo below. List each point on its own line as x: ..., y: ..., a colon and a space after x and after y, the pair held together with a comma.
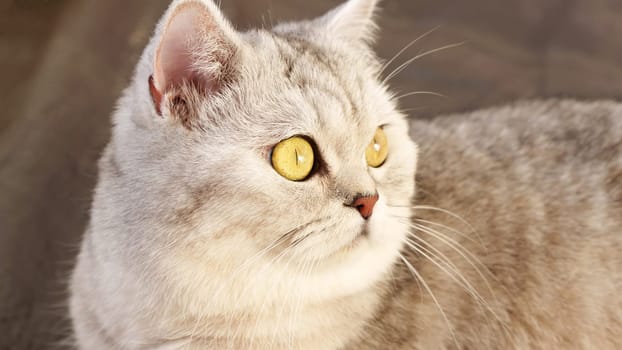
x: 540, y: 185
x: 566, y: 153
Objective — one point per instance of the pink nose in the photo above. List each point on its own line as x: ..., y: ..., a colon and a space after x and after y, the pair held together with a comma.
x: 365, y: 204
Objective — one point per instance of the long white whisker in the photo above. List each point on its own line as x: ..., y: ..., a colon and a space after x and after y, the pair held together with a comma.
x: 296, y: 304
x: 452, y: 230
x: 469, y: 257
x: 235, y: 274
x: 401, y: 67
x: 416, y: 274
x: 454, y: 215
x: 384, y: 66
x: 459, y: 248
x: 405, y: 111
x: 483, y: 304
x: 455, y: 274
x: 420, y: 93
x: 442, y: 258
x: 297, y: 310
x: 260, y: 273
x: 287, y: 299
x: 274, y: 284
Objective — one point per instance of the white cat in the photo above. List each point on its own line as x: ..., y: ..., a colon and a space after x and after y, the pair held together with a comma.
x: 196, y: 238
x: 257, y: 194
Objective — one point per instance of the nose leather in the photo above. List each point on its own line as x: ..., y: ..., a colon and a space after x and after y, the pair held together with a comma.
x: 365, y: 204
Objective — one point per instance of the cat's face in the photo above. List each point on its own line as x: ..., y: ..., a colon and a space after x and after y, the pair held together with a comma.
x: 198, y: 181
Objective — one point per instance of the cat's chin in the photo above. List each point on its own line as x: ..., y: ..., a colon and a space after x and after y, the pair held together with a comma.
x: 341, y: 252
x: 365, y: 258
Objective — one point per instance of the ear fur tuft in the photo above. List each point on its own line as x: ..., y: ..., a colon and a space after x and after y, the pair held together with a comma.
x: 353, y: 20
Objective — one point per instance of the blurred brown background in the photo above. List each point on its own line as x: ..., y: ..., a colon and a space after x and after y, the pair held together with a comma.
x: 64, y: 62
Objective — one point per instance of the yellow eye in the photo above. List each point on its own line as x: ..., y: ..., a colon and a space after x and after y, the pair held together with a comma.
x: 293, y: 158
x: 377, y: 151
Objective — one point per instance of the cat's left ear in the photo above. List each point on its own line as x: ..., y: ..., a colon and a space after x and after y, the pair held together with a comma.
x: 196, y: 46
x: 352, y: 20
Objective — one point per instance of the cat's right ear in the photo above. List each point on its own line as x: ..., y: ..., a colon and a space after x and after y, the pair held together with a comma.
x: 352, y: 20
x: 196, y: 47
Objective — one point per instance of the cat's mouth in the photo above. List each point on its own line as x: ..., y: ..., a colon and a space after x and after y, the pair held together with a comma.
x: 364, y: 232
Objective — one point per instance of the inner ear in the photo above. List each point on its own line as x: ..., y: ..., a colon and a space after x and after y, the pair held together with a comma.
x: 177, y: 55
x: 195, y: 49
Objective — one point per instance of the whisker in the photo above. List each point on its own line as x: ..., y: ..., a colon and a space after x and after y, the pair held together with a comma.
x: 297, y: 311
x: 451, y: 242
x: 483, y: 304
x: 405, y: 111
x: 469, y: 257
x: 442, y: 258
x: 420, y: 93
x: 287, y: 301
x: 416, y: 275
x: 308, y: 234
x: 460, y: 249
x: 450, y: 229
x: 450, y: 213
x: 283, y: 274
x: 456, y: 276
x: 249, y: 262
x: 401, y: 67
x: 396, y: 282
x: 386, y: 65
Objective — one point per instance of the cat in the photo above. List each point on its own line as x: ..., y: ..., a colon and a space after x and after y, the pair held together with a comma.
x: 262, y: 190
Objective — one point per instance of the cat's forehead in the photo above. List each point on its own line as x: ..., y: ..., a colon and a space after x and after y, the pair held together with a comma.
x: 306, y: 86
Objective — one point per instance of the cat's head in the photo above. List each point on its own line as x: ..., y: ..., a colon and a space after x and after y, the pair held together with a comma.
x: 267, y: 159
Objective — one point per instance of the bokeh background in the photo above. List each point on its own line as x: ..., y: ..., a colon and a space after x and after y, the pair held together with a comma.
x: 63, y: 63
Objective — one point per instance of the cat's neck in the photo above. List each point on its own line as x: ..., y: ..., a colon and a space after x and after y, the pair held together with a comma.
x: 330, y: 324
x: 284, y: 323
